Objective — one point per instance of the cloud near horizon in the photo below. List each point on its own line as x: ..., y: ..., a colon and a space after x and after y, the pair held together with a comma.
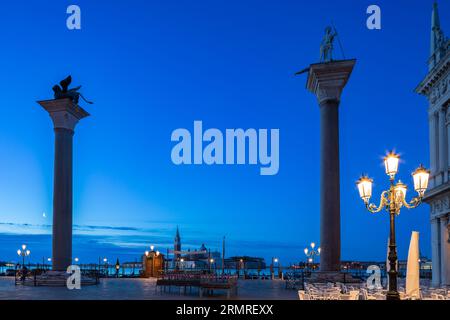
x: 123, y: 242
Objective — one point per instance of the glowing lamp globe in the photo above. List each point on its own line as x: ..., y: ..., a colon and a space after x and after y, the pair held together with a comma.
x: 400, y: 190
x: 420, y: 177
x: 365, y: 188
x: 391, y: 161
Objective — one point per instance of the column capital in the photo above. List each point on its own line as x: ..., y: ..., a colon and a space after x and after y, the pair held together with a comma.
x: 64, y: 113
x: 327, y: 80
x: 444, y: 219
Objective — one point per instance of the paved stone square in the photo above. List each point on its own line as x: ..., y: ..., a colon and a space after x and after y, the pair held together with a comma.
x: 140, y: 289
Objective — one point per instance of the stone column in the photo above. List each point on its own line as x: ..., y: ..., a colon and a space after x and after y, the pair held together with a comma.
x: 432, y: 119
x: 447, y: 125
x: 443, y: 166
x: 445, y: 252
x: 435, y: 254
x: 65, y: 115
x: 326, y: 81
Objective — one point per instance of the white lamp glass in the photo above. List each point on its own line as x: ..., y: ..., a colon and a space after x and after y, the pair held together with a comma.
x: 400, y: 189
x: 391, y: 163
x: 420, y: 177
x: 365, y: 188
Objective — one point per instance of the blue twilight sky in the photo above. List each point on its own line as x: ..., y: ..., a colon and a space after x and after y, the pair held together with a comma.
x: 155, y: 66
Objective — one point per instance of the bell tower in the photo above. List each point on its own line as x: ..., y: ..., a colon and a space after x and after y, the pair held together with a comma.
x: 177, y: 244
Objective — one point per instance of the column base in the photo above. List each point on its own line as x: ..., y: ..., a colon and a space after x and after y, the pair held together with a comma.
x: 392, y: 295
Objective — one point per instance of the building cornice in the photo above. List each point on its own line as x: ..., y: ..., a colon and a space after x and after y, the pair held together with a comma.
x: 438, y: 191
x: 434, y: 76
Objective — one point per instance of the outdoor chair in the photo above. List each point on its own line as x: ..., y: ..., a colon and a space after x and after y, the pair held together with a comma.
x: 365, y: 295
x: 302, y: 295
x: 437, y: 296
x: 353, y: 295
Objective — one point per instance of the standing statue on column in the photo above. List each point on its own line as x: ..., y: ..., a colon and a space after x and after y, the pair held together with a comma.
x: 326, y: 47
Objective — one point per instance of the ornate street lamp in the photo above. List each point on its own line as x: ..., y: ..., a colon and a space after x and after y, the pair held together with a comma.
x: 272, y: 267
x: 23, y: 253
x: 393, y: 200
x: 182, y: 263
x: 310, y: 254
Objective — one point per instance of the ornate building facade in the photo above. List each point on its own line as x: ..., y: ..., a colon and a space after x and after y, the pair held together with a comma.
x: 436, y: 87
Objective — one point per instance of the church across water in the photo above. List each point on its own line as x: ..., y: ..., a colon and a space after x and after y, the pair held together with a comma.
x: 200, y: 259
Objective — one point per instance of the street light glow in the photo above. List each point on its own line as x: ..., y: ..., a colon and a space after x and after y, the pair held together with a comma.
x: 391, y: 164
x: 365, y: 188
x: 400, y: 190
x: 420, y: 177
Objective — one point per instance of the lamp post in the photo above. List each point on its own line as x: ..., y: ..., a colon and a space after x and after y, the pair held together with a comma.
x: 153, y: 261
x: 105, y: 261
x: 393, y: 200
x: 272, y: 267
x: 310, y: 254
x: 23, y: 253
x: 211, y: 261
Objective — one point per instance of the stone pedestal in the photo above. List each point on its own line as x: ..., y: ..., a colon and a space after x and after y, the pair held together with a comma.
x: 65, y: 115
x: 326, y: 81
